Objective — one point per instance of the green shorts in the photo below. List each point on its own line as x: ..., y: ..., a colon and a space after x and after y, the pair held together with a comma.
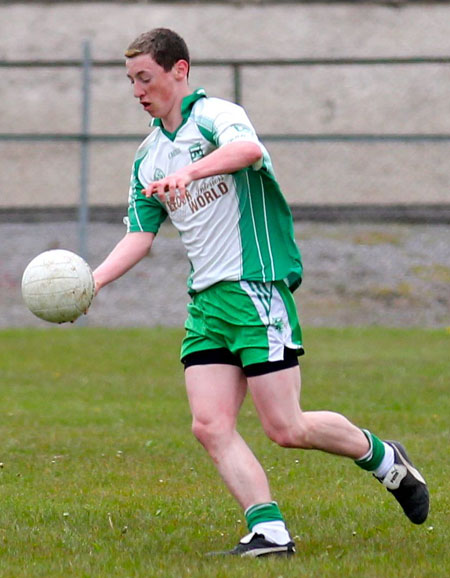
x: 254, y: 321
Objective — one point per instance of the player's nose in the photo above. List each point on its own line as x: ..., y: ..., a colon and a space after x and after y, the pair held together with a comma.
x: 138, y: 91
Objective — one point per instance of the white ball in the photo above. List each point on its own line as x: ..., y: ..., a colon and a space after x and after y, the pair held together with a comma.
x: 58, y: 286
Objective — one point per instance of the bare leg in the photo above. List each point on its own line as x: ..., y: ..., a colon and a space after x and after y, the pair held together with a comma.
x: 276, y: 398
x: 216, y: 393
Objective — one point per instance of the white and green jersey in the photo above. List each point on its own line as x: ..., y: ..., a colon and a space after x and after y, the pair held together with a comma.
x: 233, y: 226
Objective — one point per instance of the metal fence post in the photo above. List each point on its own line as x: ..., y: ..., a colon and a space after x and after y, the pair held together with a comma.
x: 237, y: 83
x: 83, y: 209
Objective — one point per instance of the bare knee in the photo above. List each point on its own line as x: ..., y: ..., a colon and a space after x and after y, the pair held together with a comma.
x: 211, y: 433
x: 202, y: 430
x: 295, y: 435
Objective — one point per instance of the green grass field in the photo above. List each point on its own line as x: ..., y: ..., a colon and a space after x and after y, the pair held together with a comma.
x: 101, y: 477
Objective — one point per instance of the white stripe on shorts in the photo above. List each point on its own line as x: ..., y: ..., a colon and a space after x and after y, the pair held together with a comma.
x: 273, y: 314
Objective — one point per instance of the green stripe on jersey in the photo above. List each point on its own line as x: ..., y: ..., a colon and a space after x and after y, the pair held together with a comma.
x: 268, y: 247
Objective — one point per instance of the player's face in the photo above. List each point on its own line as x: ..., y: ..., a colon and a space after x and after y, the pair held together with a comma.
x: 156, y: 89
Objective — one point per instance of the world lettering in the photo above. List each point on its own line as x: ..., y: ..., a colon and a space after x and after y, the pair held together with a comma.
x: 201, y: 200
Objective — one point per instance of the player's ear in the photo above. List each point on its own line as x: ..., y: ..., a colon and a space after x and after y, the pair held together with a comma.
x: 181, y: 69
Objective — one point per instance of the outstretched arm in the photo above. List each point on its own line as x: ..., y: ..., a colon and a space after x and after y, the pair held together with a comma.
x: 128, y: 251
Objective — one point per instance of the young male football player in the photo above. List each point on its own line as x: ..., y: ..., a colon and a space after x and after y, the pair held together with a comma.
x: 204, y: 167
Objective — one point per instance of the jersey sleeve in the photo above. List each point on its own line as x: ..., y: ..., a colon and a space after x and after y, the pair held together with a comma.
x: 144, y: 214
x: 232, y: 124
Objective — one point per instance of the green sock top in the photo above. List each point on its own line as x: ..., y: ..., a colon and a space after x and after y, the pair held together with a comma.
x: 375, y: 455
x: 259, y: 513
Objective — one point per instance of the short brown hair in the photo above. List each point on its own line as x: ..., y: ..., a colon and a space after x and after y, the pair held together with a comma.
x: 165, y: 46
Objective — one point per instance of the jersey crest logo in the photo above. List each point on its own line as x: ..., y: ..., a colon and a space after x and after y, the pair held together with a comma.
x: 196, y: 152
x: 158, y: 174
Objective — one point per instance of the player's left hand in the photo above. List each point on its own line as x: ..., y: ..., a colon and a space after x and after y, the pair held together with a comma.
x: 168, y: 187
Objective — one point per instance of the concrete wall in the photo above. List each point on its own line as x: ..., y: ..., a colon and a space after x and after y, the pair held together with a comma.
x: 346, y: 99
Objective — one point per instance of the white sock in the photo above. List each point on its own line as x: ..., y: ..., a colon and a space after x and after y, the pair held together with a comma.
x: 387, y: 462
x: 275, y: 531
